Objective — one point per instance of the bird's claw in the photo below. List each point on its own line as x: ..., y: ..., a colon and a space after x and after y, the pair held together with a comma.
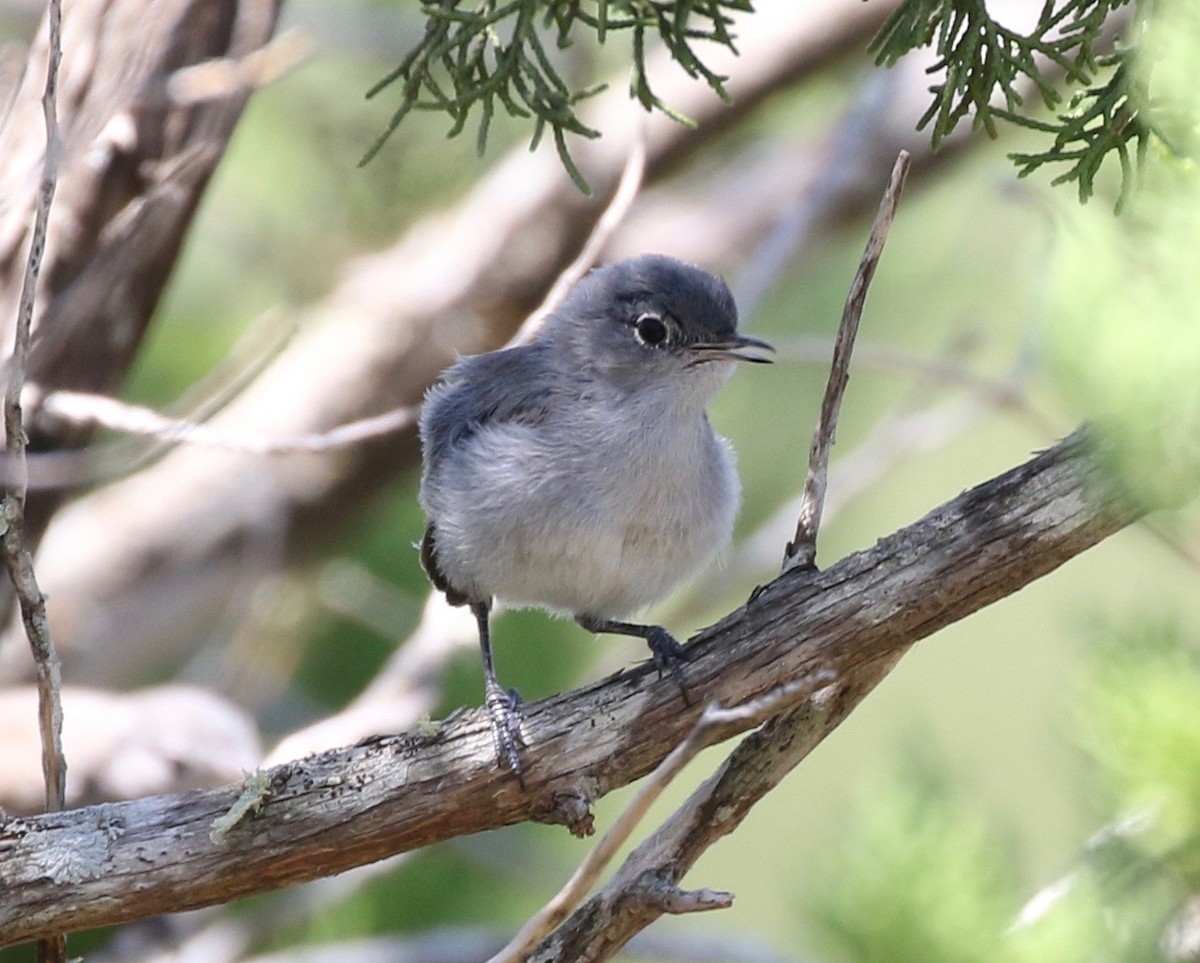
x: 668, y: 657
x: 503, y: 706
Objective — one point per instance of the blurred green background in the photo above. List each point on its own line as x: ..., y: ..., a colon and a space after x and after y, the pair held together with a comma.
x: 978, y: 771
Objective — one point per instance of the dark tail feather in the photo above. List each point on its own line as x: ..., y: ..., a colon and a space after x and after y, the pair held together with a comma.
x: 429, y: 562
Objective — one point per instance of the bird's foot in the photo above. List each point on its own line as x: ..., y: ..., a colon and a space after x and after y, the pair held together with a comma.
x: 504, y: 711
x: 668, y: 657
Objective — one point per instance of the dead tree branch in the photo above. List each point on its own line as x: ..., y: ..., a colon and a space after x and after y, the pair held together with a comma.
x: 117, y: 862
x: 707, y: 730
x: 18, y: 560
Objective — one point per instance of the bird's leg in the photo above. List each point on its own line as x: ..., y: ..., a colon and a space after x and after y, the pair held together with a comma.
x: 502, y: 704
x: 666, y: 650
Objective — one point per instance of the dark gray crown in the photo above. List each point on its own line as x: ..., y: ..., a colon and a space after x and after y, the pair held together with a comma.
x: 699, y: 302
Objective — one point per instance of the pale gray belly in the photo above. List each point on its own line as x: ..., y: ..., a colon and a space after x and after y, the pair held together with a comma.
x: 589, y: 531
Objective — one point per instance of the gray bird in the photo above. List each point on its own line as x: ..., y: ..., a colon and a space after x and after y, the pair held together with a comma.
x: 578, y: 473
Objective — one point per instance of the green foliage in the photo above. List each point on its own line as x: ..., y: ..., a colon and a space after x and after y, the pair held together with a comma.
x: 984, y: 61
x: 1100, y: 120
x: 1140, y: 723
x: 488, y: 54
x: 1122, y: 337
x: 1149, y: 97
x: 981, y: 57
x: 478, y: 56
x: 924, y: 876
x: 924, y: 879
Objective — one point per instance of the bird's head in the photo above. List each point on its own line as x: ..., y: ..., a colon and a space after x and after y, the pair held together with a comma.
x: 653, y: 322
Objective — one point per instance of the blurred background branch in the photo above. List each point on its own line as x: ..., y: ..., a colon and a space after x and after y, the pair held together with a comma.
x: 132, y: 171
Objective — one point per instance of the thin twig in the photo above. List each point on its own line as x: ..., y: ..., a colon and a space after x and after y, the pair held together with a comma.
x: 613, y: 217
x: 707, y: 730
x: 17, y: 558
x: 80, y: 408
x: 714, y: 810
x: 802, y: 549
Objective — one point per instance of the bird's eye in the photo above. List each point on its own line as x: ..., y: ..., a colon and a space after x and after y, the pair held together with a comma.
x: 650, y: 330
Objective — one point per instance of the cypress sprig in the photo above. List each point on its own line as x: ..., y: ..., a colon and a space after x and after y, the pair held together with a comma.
x: 477, y: 57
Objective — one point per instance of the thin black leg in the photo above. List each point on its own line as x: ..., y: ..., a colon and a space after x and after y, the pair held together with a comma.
x: 666, y: 650
x: 502, y: 704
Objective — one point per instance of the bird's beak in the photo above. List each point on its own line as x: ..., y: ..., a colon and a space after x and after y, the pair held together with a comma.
x: 740, y: 347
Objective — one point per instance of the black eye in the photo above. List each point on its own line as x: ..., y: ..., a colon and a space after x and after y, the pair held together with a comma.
x: 650, y: 330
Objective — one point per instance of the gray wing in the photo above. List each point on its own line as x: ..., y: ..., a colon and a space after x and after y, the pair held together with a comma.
x: 503, y: 386
x: 487, y: 389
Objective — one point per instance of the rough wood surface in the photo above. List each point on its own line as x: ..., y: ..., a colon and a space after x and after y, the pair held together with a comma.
x: 643, y: 888
x: 116, y: 862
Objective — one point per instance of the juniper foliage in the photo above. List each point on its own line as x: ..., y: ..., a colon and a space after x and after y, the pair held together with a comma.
x: 478, y: 57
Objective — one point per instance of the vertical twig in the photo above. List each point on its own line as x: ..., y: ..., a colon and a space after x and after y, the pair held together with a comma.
x: 802, y: 549
x: 17, y: 558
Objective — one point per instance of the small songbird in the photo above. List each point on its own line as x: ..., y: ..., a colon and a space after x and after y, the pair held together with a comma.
x: 579, y: 473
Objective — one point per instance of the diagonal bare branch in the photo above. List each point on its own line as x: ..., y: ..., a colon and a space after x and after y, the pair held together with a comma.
x: 338, y: 809
x: 640, y: 891
x: 708, y: 729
